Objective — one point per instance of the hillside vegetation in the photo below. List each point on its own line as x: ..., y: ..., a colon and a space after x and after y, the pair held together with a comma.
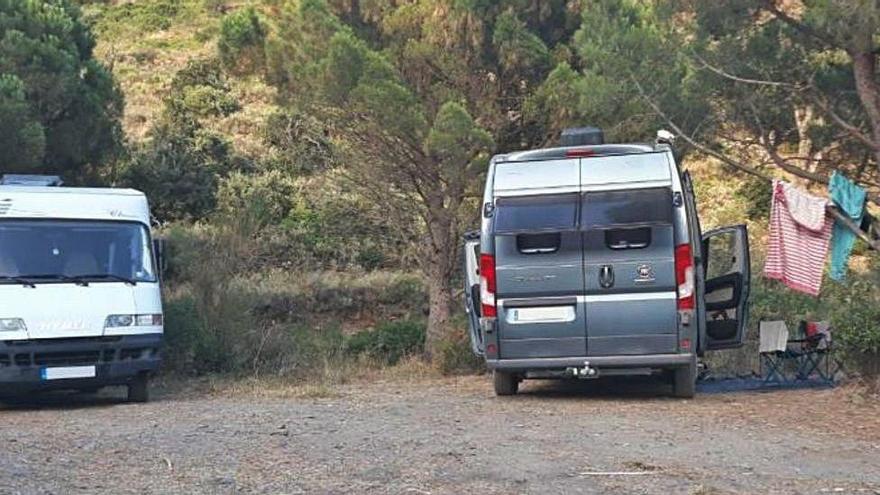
x: 314, y: 163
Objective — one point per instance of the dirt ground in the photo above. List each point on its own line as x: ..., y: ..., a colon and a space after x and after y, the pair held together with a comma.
x: 445, y: 436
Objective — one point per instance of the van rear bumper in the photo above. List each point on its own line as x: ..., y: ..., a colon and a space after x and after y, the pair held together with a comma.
x: 640, y: 361
x: 116, y: 361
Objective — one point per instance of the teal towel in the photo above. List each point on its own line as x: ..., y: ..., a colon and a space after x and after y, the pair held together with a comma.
x: 850, y: 198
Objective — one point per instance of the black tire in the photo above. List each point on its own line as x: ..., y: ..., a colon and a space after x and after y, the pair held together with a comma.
x: 139, y: 389
x: 505, y: 383
x: 684, y: 380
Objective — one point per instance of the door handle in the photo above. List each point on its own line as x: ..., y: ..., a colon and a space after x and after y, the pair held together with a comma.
x: 606, y: 276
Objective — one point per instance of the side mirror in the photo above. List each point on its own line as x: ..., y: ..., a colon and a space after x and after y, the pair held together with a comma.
x: 160, y: 247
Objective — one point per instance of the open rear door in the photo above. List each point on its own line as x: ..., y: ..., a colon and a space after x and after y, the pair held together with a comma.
x: 472, y: 289
x: 727, y: 273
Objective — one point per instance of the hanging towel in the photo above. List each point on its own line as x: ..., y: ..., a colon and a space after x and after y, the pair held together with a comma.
x: 799, y: 235
x: 850, y: 198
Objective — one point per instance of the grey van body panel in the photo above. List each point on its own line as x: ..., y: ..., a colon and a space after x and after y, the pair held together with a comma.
x: 650, y: 361
x: 637, y: 313
x: 555, y: 306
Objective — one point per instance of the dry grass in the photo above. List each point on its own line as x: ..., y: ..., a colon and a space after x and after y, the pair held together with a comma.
x: 144, y: 63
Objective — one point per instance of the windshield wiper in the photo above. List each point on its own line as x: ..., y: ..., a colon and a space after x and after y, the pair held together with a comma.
x: 19, y: 280
x: 50, y: 277
x: 83, y: 279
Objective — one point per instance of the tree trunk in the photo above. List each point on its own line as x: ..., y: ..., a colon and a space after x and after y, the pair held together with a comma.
x: 441, y: 262
x: 803, y: 117
x: 864, y: 70
x: 439, y: 313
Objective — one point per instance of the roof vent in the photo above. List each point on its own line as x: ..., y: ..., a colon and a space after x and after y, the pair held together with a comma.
x: 30, y: 180
x: 582, y: 136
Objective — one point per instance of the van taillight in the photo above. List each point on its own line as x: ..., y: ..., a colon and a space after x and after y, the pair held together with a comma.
x: 580, y: 153
x: 684, y: 276
x: 487, y: 286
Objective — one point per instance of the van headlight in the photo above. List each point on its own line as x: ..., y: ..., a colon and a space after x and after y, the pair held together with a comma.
x: 12, y: 325
x: 118, y: 321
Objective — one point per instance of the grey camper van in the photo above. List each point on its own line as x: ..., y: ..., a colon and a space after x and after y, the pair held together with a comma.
x: 590, y: 262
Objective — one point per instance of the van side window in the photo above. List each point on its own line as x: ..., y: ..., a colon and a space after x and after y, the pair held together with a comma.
x: 636, y: 238
x: 637, y: 206
x: 720, y: 256
x: 524, y: 214
x: 538, y: 243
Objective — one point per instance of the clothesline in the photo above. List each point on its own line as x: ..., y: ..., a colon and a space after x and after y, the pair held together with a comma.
x: 843, y: 219
x: 804, y: 228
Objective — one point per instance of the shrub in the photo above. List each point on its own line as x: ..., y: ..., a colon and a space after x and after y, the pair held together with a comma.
x: 271, y: 194
x: 181, y: 164
x: 855, y: 318
x: 199, y: 90
x: 182, y: 329
x: 298, y: 142
x: 241, y: 43
x: 389, y: 342
x: 456, y: 357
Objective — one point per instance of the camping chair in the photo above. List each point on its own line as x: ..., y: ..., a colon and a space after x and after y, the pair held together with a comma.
x: 773, y: 351
x: 816, y: 352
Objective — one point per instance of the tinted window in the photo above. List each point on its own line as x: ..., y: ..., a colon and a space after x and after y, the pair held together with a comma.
x: 536, y: 213
x: 637, y: 206
x: 538, y: 243
x: 637, y: 238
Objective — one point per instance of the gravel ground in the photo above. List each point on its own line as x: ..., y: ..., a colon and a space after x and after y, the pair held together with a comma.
x: 443, y: 436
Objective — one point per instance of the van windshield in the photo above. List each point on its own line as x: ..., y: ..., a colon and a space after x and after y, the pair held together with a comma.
x: 49, y: 251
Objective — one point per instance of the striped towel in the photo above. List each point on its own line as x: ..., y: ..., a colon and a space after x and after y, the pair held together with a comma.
x: 800, y: 232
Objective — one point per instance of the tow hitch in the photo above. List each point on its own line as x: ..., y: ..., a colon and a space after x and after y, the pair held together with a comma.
x: 584, y: 373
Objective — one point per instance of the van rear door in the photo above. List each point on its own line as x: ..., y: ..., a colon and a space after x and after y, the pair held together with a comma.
x: 629, y: 271
x: 471, y: 265
x: 726, y: 265
x: 540, y: 284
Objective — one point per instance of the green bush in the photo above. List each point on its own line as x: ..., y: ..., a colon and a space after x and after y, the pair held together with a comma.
x: 182, y: 329
x: 456, y: 357
x: 271, y: 194
x: 389, y: 342
x: 181, y: 164
x: 855, y: 317
x: 241, y: 43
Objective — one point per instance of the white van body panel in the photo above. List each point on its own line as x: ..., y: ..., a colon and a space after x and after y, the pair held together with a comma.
x: 67, y: 310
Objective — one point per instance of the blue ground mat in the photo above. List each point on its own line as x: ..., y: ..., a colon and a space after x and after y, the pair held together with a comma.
x: 751, y: 384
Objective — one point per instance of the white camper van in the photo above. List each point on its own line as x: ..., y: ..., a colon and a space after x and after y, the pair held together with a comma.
x: 80, y: 304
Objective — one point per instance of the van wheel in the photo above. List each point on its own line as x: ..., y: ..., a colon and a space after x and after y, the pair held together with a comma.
x: 684, y: 380
x: 505, y: 383
x: 139, y: 389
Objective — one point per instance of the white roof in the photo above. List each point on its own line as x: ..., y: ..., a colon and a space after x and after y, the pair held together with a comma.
x: 74, y: 203
x: 610, y: 172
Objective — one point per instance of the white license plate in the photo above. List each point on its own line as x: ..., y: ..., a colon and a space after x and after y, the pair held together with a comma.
x: 67, y: 373
x: 551, y: 314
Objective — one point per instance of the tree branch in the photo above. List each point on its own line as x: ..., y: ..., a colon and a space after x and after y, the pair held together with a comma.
x: 770, y: 6
x: 851, y: 129
x: 706, y: 65
x: 774, y: 155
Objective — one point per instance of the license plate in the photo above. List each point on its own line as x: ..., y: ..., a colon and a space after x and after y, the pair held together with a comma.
x: 552, y: 314
x: 67, y: 373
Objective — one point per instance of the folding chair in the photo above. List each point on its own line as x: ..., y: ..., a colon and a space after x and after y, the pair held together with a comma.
x: 817, y: 356
x: 773, y: 350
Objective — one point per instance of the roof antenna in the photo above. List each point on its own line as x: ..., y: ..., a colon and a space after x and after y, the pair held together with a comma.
x: 665, y: 137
